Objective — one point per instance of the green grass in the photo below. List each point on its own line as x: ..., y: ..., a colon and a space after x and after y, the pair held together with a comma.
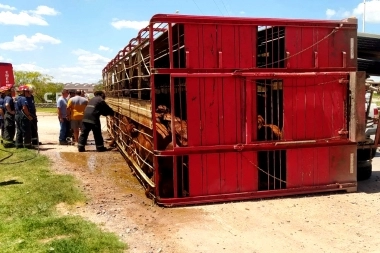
x: 48, y: 110
x: 29, y: 220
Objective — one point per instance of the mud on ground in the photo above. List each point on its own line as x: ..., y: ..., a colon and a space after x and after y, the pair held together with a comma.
x: 334, y: 222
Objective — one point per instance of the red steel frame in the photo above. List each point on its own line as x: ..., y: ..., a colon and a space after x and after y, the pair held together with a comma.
x: 220, y: 65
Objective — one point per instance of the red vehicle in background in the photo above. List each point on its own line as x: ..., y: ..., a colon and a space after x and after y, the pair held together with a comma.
x: 6, y: 75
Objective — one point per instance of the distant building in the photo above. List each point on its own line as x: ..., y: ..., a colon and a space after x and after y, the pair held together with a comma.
x: 87, y: 87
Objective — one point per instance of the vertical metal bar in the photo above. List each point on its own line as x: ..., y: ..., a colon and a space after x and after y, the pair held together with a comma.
x: 139, y: 63
x: 175, y: 177
x: 272, y: 122
x: 172, y: 107
x: 271, y: 107
x: 173, y: 132
x: 172, y: 110
x: 170, y: 33
x: 344, y: 59
x: 178, y: 46
x: 315, y: 59
x: 153, y: 108
x: 220, y: 59
x: 266, y: 47
x: 278, y: 47
x: 249, y: 106
x: 272, y: 49
x: 279, y: 91
x: 180, y: 102
x: 287, y: 62
x: 187, y: 59
x: 243, y: 110
x: 131, y: 73
x: 182, y: 176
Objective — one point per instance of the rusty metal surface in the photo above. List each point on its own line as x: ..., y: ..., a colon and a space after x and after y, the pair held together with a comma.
x: 357, y: 111
x: 217, y: 108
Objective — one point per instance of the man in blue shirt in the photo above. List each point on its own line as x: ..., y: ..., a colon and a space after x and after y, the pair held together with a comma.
x: 9, y: 118
x: 23, y: 119
x: 62, y: 117
x: 2, y: 112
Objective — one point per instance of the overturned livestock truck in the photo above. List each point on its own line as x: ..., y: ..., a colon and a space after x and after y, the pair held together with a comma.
x: 213, y: 109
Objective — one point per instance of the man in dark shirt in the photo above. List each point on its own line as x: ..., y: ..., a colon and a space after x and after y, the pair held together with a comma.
x: 9, y: 118
x: 2, y: 112
x: 91, y: 121
x: 33, y: 112
x: 23, y: 119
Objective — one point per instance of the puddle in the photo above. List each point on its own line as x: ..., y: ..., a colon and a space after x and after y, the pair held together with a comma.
x: 110, y: 165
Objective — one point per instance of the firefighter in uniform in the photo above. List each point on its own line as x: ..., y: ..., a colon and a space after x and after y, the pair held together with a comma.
x: 23, y: 119
x: 9, y: 117
x: 2, y: 113
x: 91, y: 121
x: 33, y: 113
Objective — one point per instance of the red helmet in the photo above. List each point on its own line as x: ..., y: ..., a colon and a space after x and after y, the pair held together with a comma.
x: 23, y: 88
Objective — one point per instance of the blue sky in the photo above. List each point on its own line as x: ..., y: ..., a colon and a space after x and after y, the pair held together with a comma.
x: 73, y: 40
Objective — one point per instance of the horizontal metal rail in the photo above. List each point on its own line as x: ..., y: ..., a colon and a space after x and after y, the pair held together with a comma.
x: 259, y: 75
x: 259, y: 146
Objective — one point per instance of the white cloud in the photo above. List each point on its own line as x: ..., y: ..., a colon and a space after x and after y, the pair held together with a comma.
x: 120, y: 24
x: 23, y: 43
x: 22, y: 18
x: 242, y: 12
x: 7, y: 7
x: 26, y: 18
x: 337, y: 14
x: 330, y: 13
x: 30, y: 67
x: 90, y: 59
x: 3, y: 59
x: 103, y: 48
x: 372, y: 10
x: 87, y: 69
x: 45, y: 10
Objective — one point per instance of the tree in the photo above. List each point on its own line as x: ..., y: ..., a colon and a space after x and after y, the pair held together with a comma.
x: 43, y: 84
x: 99, y: 85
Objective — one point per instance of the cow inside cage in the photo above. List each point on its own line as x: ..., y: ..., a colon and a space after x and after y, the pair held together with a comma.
x: 171, y: 169
x: 272, y: 164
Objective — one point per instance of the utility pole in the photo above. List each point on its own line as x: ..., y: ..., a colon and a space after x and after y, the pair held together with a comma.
x: 363, y: 16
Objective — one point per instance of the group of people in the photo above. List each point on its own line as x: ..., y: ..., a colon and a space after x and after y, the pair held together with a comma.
x: 78, y: 116
x: 18, y: 117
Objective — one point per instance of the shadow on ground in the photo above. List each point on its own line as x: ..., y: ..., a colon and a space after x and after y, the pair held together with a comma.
x: 10, y: 182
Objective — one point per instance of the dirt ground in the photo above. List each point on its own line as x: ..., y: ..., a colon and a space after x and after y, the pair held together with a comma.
x: 332, y: 222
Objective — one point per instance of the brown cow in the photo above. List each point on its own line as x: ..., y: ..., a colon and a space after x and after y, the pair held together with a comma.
x: 266, y: 130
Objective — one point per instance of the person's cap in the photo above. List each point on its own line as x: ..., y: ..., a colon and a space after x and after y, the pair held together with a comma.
x: 31, y: 87
x: 23, y: 88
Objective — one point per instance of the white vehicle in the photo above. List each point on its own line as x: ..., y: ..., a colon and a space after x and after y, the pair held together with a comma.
x: 372, y: 114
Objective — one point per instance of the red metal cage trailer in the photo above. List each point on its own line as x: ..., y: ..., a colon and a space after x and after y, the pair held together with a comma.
x: 215, y: 109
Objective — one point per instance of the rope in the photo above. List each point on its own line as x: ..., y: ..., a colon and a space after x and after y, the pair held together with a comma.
x: 300, y: 52
x: 257, y: 167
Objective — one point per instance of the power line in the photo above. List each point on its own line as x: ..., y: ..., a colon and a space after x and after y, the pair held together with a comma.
x: 225, y: 8
x: 198, y: 6
x: 218, y: 8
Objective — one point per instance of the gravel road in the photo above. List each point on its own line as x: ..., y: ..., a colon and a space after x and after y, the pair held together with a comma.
x: 332, y: 222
